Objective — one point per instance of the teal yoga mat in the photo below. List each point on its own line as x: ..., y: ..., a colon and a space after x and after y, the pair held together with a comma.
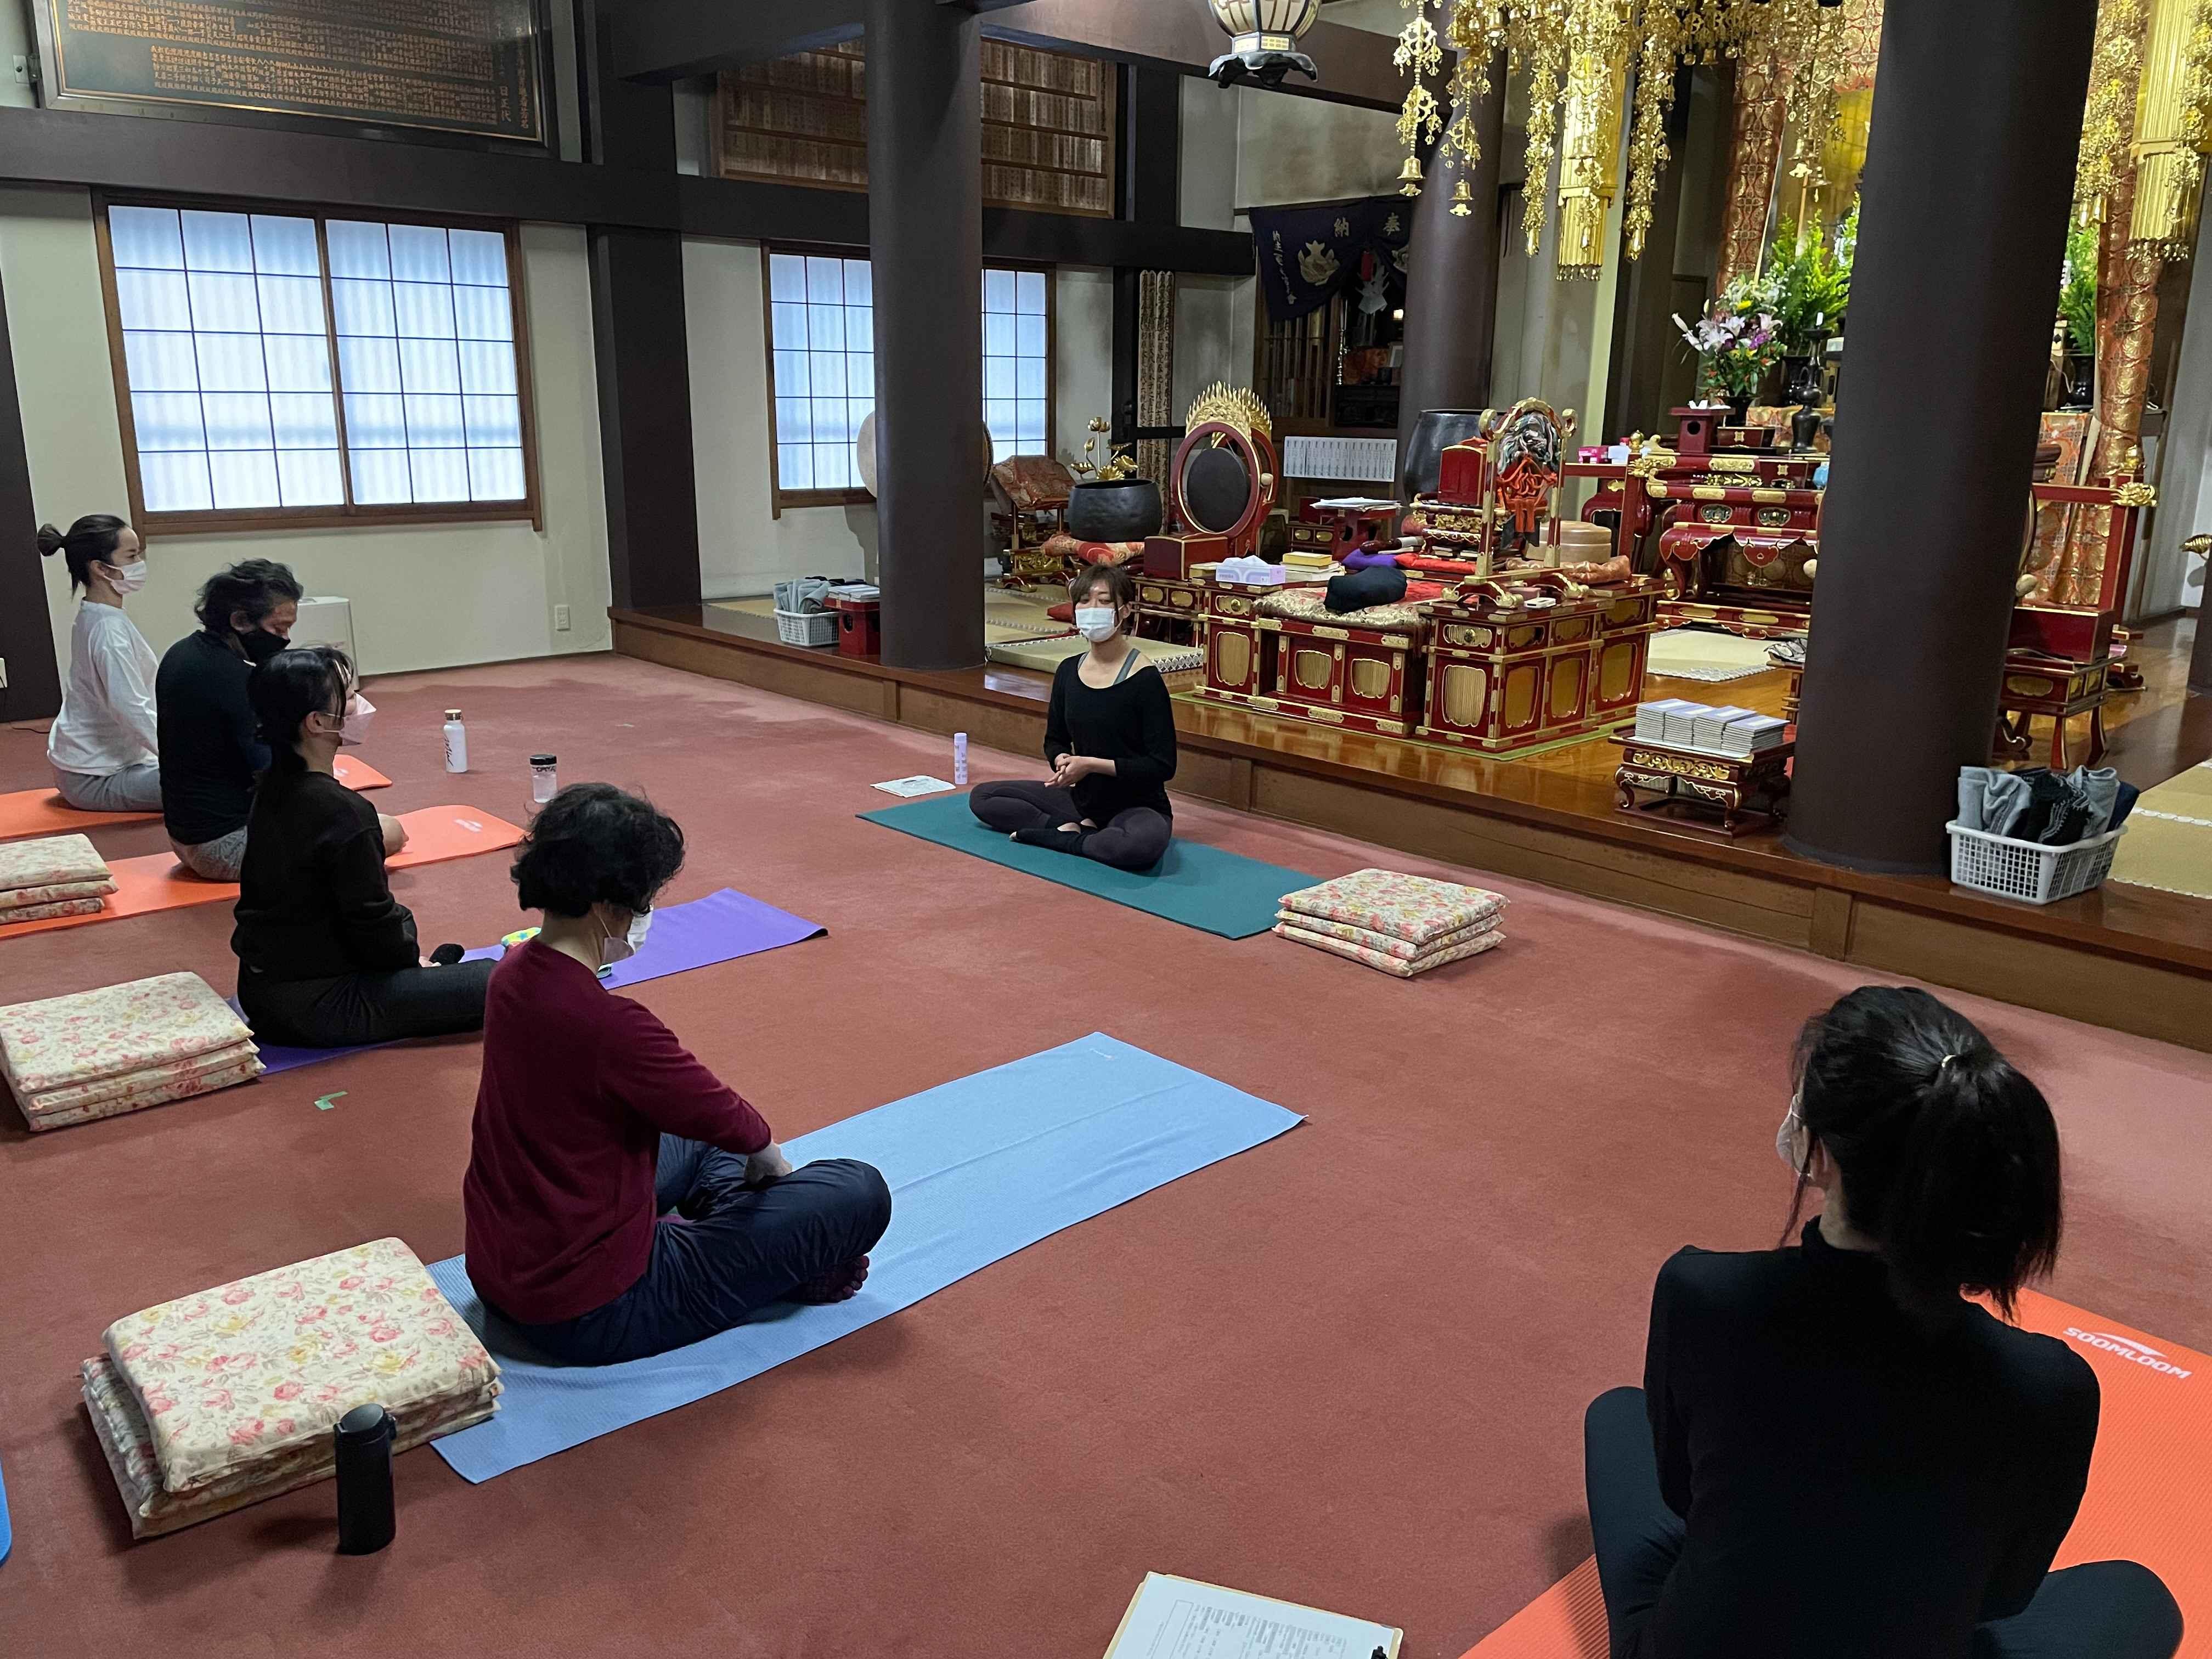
x: 979, y: 1168
x: 1195, y: 884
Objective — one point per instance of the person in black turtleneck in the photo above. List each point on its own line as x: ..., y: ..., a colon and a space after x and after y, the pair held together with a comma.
x: 1110, y: 739
x: 1834, y: 1454
x: 327, y: 957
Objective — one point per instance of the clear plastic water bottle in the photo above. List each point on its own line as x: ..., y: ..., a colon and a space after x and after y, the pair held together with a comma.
x: 457, y: 742
x: 960, y: 759
x: 544, y: 780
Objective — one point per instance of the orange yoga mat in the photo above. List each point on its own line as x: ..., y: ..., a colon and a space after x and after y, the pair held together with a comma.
x: 158, y: 882
x: 43, y: 812
x: 2149, y: 1481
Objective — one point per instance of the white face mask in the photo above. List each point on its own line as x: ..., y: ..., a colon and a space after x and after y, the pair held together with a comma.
x: 613, y: 950
x: 360, y: 713
x: 127, y: 578
x: 1785, y: 1139
x: 1096, y: 622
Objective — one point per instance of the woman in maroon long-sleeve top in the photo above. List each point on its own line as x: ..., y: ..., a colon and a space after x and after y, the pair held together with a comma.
x: 621, y: 1199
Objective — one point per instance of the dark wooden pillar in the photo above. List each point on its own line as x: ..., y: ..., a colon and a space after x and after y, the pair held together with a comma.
x: 1451, y: 276
x: 1150, y: 194
x: 639, y: 339
x: 26, y: 639
x: 1966, y: 194
x: 926, y: 237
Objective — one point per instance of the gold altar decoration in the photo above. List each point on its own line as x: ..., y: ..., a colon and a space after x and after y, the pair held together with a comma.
x: 1237, y: 406
x: 2108, y: 119
x: 1574, y: 55
x: 2171, y: 126
x: 1754, y: 152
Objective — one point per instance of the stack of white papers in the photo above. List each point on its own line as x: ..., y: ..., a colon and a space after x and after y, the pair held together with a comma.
x: 1705, y: 729
x: 1651, y: 717
x: 1753, y: 736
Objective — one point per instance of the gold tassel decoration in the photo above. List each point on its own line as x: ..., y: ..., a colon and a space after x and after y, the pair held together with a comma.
x: 2171, y: 127
x: 1590, y: 143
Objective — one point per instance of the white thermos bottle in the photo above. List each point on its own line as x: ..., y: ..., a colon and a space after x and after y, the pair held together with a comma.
x: 457, y: 742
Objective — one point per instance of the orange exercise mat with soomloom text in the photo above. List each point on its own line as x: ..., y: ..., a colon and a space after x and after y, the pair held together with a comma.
x: 158, y: 882
x: 2148, y: 1480
x: 43, y: 812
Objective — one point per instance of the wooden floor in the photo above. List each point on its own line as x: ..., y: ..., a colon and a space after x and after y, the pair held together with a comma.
x: 2129, y: 957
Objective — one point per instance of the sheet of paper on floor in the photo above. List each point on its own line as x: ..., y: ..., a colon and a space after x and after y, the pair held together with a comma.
x: 1171, y: 1617
x: 919, y: 784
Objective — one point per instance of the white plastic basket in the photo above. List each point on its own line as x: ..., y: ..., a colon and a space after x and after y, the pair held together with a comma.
x: 2029, y: 869
x: 807, y: 627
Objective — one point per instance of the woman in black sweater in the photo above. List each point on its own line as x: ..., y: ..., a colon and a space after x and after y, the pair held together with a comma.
x: 1110, y: 739
x: 327, y: 957
x: 1834, y: 1454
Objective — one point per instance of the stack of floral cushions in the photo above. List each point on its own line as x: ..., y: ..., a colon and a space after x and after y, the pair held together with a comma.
x: 214, y: 1401
x: 54, y: 876
x: 1400, y: 925
x: 100, y: 1053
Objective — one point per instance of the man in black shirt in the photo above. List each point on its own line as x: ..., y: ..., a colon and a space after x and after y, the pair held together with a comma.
x: 209, y: 755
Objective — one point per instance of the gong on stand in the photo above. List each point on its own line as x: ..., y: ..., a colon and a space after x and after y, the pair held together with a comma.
x: 1219, y: 491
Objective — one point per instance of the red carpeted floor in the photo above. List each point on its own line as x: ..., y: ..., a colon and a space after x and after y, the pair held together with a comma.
x: 1347, y: 1368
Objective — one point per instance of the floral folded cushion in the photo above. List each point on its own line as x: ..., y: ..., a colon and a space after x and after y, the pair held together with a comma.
x: 120, y: 1428
x: 18, y: 897
x: 118, y: 1030
x: 1311, y: 604
x: 1419, y: 909
x: 253, y: 1369
x: 137, y: 1100
x: 1399, y: 967
x: 154, y: 1084
x: 12, y: 914
x: 50, y: 861
x: 1367, y: 939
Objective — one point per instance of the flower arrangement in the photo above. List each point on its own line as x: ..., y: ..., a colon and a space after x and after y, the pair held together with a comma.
x: 2077, y: 290
x: 1100, y: 463
x: 1810, y: 278
x: 1736, y: 341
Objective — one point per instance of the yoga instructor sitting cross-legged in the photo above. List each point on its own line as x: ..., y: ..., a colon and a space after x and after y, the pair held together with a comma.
x: 1834, y: 1453
x: 1110, y: 737
x: 621, y: 1199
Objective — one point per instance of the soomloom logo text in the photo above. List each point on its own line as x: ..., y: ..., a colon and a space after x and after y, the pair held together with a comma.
x: 2127, y: 1348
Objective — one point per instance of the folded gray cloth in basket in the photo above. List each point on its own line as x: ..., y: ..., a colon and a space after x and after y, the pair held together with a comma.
x: 1991, y: 800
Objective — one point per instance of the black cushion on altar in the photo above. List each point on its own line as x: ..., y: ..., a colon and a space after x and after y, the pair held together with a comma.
x: 1356, y: 590
x: 1216, y: 489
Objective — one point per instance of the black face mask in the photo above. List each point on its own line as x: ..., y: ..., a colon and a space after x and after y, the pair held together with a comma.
x: 260, y: 645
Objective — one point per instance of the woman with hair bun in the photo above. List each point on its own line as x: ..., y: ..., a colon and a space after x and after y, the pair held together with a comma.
x: 104, y: 746
x: 622, y: 1199
x: 1834, y: 1453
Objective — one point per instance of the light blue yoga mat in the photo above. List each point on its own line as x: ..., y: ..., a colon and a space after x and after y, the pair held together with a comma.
x: 1195, y: 884
x: 978, y: 1168
x: 7, y: 1531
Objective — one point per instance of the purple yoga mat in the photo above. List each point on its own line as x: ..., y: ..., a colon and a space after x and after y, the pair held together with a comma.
x: 719, y: 927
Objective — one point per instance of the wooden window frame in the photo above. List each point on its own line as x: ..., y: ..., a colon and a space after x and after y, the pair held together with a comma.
x: 351, y: 514
x: 781, y: 499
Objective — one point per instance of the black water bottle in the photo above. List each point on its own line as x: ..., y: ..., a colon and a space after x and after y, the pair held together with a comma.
x: 363, y: 1440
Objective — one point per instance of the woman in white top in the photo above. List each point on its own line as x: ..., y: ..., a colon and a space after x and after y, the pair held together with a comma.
x: 102, y: 748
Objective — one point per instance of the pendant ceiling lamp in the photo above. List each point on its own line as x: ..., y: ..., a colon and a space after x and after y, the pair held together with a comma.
x: 1263, y: 40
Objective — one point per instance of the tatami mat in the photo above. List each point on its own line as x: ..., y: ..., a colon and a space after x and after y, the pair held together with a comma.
x: 2168, y: 845
x: 1695, y: 654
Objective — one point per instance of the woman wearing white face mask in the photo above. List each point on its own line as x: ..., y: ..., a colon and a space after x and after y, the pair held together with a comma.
x: 327, y: 957
x: 622, y: 1199
x: 104, y: 746
x: 1110, y: 739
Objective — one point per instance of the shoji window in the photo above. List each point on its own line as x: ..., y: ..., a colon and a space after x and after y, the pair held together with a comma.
x: 821, y: 330
x: 285, y: 369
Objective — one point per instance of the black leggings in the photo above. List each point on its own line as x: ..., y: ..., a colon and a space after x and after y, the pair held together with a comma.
x: 1131, y: 840
x: 2107, y: 1609
x: 360, y: 1008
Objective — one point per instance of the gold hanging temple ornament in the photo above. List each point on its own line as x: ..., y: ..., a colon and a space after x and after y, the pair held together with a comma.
x: 1575, y: 57
x: 2173, y: 103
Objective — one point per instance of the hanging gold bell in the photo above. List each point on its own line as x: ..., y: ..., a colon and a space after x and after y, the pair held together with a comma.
x: 1409, y: 177
x: 1462, y: 200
